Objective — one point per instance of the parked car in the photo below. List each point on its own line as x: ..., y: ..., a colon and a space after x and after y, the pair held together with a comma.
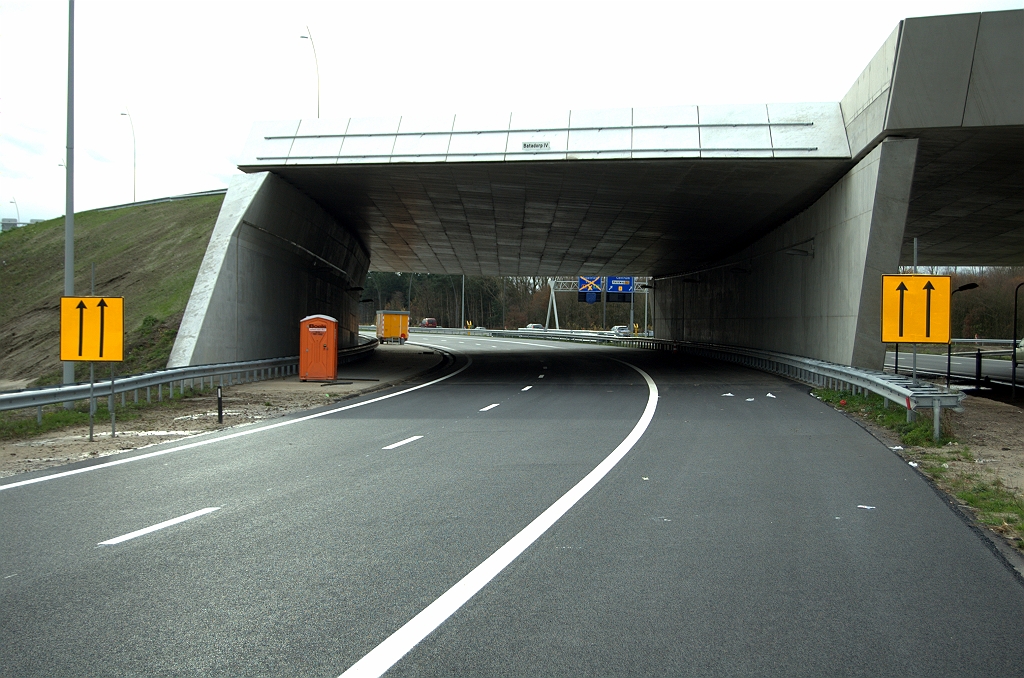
x: 428, y: 322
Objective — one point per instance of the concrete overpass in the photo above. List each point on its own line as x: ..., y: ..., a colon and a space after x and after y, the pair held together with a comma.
x: 765, y: 225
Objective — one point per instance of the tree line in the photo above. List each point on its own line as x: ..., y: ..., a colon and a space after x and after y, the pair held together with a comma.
x: 494, y: 302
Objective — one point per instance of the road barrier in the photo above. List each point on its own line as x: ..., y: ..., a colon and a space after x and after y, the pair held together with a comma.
x: 913, y: 394
x: 234, y: 373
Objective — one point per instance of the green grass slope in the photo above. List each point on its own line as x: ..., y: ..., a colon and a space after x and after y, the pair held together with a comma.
x: 148, y: 254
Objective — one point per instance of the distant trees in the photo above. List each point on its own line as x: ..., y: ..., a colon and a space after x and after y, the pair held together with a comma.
x: 988, y: 310
x: 492, y: 302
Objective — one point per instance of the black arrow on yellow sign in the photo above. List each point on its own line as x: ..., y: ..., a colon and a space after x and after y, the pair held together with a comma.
x: 902, y: 288
x: 928, y: 309
x: 81, y: 324
x: 103, y: 307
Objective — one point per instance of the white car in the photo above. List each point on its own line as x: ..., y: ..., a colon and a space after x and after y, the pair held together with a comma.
x: 621, y: 331
x: 534, y: 326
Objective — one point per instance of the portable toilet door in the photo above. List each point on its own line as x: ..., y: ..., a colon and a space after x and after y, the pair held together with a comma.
x: 318, y: 348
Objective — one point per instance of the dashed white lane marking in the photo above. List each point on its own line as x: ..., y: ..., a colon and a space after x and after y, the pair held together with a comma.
x: 159, y: 526
x: 398, y: 644
x: 239, y: 434
x: 527, y: 388
x: 489, y: 407
x: 401, y: 442
x: 540, y: 376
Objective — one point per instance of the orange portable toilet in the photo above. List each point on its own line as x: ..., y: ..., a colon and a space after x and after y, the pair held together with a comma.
x: 318, y: 348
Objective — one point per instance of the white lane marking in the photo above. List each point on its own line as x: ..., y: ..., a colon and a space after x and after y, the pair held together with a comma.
x: 489, y: 407
x: 540, y: 376
x: 401, y: 442
x: 159, y: 526
x: 398, y: 644
x: 239, y: 434
x: 526, y: 388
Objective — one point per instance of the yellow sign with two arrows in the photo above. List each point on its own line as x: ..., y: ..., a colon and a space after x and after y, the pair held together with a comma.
x: 92, y: 329
x: 915, y: 309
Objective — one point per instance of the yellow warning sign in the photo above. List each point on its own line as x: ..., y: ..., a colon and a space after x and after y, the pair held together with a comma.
x: 92, y: 329
x: 915, y: 309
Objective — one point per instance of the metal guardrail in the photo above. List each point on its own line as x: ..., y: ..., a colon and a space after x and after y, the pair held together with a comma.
x: 236, y: 373
x: 913, y: 394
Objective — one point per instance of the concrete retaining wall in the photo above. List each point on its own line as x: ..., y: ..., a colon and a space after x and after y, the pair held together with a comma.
x: 812, y: 286
x: 274, y: 257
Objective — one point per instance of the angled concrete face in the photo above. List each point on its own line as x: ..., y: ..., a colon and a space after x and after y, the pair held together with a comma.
x: 274, y: 257
x: 811, y: 287
x: 995, y: 95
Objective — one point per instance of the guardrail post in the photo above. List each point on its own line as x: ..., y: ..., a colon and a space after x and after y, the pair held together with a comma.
x: 39, y: 415
x: 936, y: 416
x: 160, y: 393
x: 977, y: 369
x: 136, y: 396
x: 170, y: 386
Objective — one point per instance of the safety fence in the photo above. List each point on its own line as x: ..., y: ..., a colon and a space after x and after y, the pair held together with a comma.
x: 180, y: 378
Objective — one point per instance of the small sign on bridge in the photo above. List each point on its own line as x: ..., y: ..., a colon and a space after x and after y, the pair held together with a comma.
x: 915, y: 309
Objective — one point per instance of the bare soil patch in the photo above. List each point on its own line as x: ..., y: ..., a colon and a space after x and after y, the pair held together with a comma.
x: 244, y: 404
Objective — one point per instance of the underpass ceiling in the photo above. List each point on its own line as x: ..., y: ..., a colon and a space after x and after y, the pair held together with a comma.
x: 967, y: 199
x: 641, y: 217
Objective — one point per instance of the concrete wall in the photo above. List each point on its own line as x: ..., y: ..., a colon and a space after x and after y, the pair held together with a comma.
x: 812, y: 287
x: 959, y: 70
x: 274, y: 257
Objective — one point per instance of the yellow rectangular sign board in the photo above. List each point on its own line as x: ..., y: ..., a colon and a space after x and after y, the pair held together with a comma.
x: 915, y: 309
x: 92, y: 329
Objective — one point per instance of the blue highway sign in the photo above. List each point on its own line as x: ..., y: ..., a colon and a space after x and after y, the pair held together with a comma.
x: 620, y: 284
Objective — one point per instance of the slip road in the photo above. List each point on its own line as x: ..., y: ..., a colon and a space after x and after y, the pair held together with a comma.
x: 725, y: 539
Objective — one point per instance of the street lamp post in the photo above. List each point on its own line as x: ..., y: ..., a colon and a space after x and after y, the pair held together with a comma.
x: 16, y: 210
x: 1013, y: 348
x: 949, y: 346
x: 134, y: 149
x: 317, y: 63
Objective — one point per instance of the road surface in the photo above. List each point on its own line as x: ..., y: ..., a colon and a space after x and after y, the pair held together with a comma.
x: 712, y: 535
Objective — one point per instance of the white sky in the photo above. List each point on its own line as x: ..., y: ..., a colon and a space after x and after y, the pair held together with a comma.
x: 195, y: 75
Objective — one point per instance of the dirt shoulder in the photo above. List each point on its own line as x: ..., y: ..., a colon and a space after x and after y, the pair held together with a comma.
x: 989, y: 451
x: 244, y: 404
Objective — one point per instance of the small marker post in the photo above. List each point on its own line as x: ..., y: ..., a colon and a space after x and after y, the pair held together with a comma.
x: 220, y: 407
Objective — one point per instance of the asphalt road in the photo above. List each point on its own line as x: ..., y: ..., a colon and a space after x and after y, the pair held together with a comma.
x: 726, y: 541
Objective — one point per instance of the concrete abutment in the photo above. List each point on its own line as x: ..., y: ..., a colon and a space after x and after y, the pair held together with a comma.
x: 812, y: 286
x: 274, y: 257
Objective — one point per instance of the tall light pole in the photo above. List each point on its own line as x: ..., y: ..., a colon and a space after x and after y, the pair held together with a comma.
x: 1013, y: 348
x: 134, y: 148
x: 949, y: 346
x: 317, y: 62
x: 69, y: 207
x: 16, y: 210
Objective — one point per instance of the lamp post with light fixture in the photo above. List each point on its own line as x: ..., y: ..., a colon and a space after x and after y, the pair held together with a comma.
x: 316, y: 61
x: 134, y: 149
x: 16, y: 210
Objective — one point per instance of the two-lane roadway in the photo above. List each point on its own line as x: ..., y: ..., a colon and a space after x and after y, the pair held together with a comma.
x: 538, y: 509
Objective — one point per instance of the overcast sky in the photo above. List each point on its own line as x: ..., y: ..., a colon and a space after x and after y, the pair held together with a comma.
x: 195, y: 75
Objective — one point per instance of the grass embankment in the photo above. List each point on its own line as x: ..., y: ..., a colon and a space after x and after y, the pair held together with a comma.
x: 947, y: 462
x: 148, y: 254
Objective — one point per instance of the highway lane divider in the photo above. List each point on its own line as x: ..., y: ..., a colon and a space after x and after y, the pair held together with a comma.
x: 397, y: 645
x: 231, y: 436
x: 159, y: 526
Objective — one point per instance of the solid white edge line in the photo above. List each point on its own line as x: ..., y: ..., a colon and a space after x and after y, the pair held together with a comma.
x: 159, y: 526
x: 401, y: 442
x: 239, y: 434
x: 489, y: 407
x: 526, y: 388
x: 398, y: 644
